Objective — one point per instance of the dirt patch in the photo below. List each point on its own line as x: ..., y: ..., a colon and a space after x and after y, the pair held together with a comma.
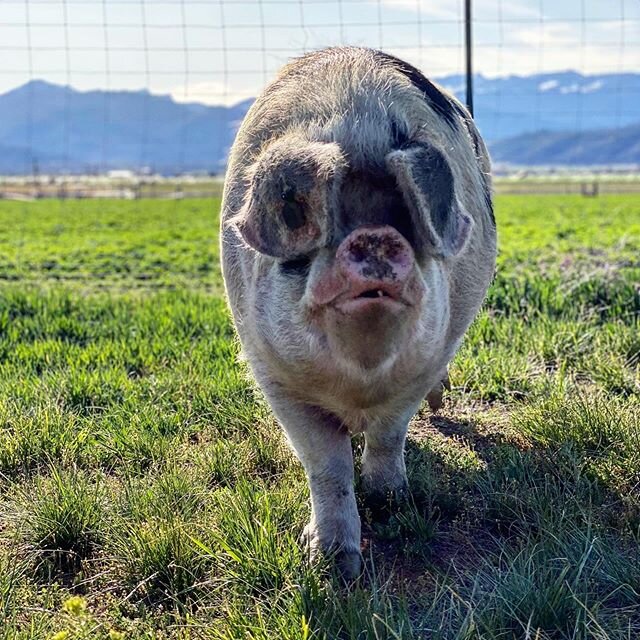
x: 477, y: 427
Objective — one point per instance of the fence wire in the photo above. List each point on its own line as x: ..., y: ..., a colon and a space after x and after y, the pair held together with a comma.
x: 219, y: 53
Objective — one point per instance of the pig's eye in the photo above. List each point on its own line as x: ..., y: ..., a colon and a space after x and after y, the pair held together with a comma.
x: 292, y: 209
x: 296, y: 267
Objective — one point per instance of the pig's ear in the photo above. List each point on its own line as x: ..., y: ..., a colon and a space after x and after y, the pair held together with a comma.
x: 293, y: 190
x: 427, y: 185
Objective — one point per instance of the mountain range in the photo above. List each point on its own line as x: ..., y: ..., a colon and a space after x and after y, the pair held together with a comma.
x: 73, y: 131
x: 548, y: 119
x: 564, y: 101
x: 604, y: 147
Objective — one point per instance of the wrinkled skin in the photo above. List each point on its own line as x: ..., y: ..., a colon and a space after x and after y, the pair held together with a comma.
x: 354, y: 261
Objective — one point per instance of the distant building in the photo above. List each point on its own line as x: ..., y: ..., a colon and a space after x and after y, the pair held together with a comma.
x: 121, y: 174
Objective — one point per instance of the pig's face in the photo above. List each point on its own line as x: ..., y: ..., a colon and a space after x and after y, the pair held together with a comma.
x: 351, y: 269
x: 367, y: 297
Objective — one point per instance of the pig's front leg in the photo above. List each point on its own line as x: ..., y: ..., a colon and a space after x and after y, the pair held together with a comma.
x: 323, y: 446
x: 384, y: 475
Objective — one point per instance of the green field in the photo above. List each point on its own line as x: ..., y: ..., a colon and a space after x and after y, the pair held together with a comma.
x: 147, y: 492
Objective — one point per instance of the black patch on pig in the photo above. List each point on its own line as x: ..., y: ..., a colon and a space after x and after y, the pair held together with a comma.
x: 470, y: 127
x: 488, y: 200
x: 441, y: 104
x: 473, y: 134
x: 486, y: 189
x: 475, y: 141
x: 296, y: 267
x: 433, y: 175
x: 292, y: 210
x: 399, y: 137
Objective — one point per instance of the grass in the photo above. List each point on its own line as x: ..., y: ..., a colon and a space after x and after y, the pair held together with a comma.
x: 147, y: 492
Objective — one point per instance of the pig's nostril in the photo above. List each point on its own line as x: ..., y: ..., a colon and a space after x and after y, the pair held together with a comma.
x: 392, y: 249
x: 357, y: 254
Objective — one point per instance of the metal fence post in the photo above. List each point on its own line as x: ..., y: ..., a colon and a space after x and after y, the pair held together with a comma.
x: 468, y: 54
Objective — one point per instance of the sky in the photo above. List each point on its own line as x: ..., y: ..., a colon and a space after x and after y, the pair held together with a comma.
x: 222, y: 51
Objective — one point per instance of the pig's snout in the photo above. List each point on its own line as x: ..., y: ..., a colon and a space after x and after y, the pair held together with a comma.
x: 375, y: 261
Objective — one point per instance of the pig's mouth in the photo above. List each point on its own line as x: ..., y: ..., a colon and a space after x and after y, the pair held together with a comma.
x: 379, y: 296
x: 374, y: 293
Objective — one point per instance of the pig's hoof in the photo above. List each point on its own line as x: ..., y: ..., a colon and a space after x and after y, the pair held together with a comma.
x: 349, y: 564
x: 434, y: 397
x: 347, y: 561
x: 383, y: 503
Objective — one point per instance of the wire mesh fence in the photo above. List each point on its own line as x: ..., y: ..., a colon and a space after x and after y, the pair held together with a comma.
x: 114, y: 97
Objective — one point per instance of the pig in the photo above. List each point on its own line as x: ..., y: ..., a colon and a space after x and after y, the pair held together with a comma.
x: 358, y: 242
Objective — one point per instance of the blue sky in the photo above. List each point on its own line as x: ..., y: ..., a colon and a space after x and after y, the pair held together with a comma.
x: 220, y: 51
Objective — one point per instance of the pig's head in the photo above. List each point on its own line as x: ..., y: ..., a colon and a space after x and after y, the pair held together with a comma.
x: 352, y: 260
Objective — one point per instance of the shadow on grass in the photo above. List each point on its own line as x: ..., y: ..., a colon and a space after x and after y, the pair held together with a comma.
x: 475, y: 489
